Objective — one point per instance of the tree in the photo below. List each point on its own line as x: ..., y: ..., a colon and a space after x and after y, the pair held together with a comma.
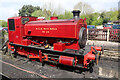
x: 59, y: 9
x: 37, y: 13
x: 109, y: 16
x: 42, y: 13
x: 3, y: 23
x: 118, y: 14
x: 66, y: 15
x: 49, y: 6
x: 100, y: 21
x: 85, y: 8
x: 114, y: 16
x: 92, y: 19
x: 27, y: 10
x: 104, y: 17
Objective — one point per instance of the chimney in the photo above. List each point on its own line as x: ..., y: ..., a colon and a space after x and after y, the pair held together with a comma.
x: 76, y: 14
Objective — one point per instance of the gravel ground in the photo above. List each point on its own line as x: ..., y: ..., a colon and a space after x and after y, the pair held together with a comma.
x: 16, y: 73
x: 0, y: 39
x: 107, y: 68
x: 105, y: 44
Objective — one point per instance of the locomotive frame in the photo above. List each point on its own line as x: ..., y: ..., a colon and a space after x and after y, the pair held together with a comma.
x: 38, y: 40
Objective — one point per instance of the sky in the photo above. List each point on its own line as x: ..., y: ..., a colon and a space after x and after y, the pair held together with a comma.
x: 9, y: 8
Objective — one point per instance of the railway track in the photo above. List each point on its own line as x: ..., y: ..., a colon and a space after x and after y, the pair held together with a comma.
x: 46, y: 70
x: 4, y: 77
x: 31, y: 72
x: 61, y: 72
x: 112, y: 54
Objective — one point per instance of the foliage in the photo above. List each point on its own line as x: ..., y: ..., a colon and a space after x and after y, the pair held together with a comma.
x: 47, y: 14
x: 42, y: 13
x: 97, y: 18
x: 66, y: 15
x: 114, y: 15
x: 27, y: 10
x: 118, y: 14
x: 85, y: 8
x: 3, y: 23
x: 101, y: 18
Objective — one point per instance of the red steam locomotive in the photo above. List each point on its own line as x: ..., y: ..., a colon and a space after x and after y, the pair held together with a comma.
x: 55, y: 41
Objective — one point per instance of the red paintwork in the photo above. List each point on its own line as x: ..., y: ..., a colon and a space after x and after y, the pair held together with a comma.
x: 37, y: 56
x: 66, y: 60
x: 53, y: 18
x: 107, y: 27
x: 91, y: 57
x: 57, y: 29
x: 49, y: 32
x: 98, y: 48
x: 17, y: 35
x: 26, y: 42
x: 59, y: 46
x: 40, y: 54
x: 64, y: 29
x: 67, y: 29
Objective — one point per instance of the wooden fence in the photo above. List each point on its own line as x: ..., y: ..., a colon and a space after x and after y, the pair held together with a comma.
x: 104, y: 34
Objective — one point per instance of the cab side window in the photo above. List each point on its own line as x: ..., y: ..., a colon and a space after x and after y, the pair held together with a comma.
x: 11, y: 24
